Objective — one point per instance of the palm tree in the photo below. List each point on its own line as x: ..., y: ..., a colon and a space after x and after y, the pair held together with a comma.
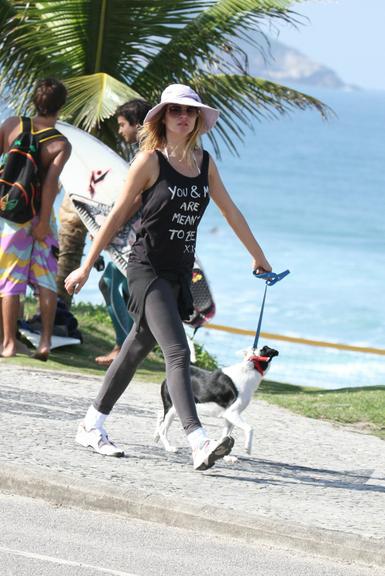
x: 108, y: 51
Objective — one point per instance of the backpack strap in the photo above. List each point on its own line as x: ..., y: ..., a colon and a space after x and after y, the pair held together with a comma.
x: 25, y: 124
x: 49, y: 134
x: 41, y: 136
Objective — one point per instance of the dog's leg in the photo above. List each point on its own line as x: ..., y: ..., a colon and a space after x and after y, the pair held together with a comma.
x: 163, y: 430
x: 159, y: 421
x: 234, y: 417
x: 249, y: 440
x: 227, y: 429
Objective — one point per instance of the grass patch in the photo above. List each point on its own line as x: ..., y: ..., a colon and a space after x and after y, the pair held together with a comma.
x: 98, y: 338
x: 362, y: 409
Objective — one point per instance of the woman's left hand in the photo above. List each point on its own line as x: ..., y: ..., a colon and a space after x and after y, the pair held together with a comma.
x: 261, y: 265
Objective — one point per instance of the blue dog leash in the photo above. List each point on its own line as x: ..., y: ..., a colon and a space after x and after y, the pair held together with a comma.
x: 271, y: 279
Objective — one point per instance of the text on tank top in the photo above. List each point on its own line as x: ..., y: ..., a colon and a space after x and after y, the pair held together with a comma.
x: 171, y: 211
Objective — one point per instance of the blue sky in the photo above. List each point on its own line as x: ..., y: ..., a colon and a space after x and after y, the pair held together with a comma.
x: 346, y: 35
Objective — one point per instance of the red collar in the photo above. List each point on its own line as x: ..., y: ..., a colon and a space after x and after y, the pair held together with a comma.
x: 256, y: 360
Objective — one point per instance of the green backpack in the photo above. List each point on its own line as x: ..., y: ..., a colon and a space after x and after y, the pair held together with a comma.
x: 20, y: 188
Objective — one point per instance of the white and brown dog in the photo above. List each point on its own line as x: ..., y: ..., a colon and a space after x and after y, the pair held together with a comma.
x: 229, y: 389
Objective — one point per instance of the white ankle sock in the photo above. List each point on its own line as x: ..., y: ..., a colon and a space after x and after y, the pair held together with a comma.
x: 196, y: 438
x: 94, y: 419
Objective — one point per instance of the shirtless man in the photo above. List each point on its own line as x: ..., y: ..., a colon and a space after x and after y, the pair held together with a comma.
x: 28, y: 252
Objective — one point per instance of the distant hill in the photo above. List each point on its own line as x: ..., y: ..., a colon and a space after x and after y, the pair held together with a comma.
x: 287, y: 65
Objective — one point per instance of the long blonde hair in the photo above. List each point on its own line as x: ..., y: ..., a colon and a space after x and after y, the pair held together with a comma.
x: 152, y: 135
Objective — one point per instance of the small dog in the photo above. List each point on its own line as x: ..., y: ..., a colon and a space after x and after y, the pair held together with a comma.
x: 229, y: 389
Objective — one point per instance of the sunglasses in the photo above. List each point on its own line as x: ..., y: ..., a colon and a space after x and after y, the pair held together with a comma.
x: 176, y: 110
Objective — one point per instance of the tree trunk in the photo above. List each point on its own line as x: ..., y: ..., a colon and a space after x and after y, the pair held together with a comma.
x: 72, y: 239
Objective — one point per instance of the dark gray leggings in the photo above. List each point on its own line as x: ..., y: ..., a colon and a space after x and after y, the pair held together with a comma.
x: 161, y: 323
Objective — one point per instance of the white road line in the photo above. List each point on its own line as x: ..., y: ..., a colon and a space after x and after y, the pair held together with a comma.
x: 65, y: 562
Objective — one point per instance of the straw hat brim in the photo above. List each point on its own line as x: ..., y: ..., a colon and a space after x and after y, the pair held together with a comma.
x: 210, y: 115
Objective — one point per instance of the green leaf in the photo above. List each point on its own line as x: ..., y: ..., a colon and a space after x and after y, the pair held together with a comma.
x: 240, y: 98
x: 94, y: 98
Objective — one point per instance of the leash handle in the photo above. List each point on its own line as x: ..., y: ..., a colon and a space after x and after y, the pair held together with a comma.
x: 271, y: 279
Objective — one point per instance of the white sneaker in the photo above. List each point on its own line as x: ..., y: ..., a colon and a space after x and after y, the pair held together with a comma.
x: 97, y: 439
x: 210, y: 451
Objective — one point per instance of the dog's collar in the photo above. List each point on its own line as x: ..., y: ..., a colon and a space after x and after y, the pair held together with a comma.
x: 256, y: 360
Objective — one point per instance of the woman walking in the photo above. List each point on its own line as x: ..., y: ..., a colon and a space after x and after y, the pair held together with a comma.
x: 173, y: 180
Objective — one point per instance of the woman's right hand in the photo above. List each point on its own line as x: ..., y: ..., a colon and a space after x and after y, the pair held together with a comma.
x: 76, y: 280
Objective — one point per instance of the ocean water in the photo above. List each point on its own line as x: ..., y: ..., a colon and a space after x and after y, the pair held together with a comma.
x: 313, y: 194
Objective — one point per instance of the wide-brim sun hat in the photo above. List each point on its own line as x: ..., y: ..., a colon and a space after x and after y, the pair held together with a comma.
x: 185, y: 96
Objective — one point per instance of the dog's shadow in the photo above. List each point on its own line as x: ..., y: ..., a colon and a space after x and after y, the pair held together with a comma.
x: 268, y: 472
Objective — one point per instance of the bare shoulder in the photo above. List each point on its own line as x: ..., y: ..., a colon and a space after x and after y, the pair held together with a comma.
x: 145, y: 169
x: 64, y: 145
x: 56, y: 148
x: 9, y: 129
x: 10, y: 123
x: 146, y: 159
x: 146, y: 163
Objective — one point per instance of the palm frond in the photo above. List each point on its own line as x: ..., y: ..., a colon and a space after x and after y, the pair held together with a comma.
x: 240, y: 98
x: 94, y: 98
x: 66, y: 38
x: 212, y: 38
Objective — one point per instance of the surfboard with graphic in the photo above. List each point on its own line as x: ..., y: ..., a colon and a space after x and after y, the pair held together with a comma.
x: 93, y: 177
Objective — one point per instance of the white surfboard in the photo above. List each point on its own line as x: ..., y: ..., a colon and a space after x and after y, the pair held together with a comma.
x: 93, y: 171
x: 93, y: 177
x: 56, y: 341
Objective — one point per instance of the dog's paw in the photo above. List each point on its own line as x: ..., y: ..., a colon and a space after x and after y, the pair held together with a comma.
x: 230, y: 459
x: 172, y: 449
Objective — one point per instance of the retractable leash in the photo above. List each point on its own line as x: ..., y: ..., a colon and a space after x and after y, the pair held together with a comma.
x: 271, y: 279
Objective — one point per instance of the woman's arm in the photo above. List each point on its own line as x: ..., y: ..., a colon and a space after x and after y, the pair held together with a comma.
x: 236, y: 219
x: 141, y: 175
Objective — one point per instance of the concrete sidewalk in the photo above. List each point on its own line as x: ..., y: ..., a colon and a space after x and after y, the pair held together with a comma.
x: 308, y: 484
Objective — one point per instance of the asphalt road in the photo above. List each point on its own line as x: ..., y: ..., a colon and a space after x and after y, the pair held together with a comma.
x: 39, y: 539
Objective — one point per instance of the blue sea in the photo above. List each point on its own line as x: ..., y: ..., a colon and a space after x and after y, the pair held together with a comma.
x: 313, y: 193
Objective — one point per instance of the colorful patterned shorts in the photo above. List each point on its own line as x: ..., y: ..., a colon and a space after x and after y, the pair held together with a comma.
x: 25, y: 261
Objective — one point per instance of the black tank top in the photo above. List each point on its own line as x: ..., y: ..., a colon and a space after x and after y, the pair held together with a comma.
x: 171, y: 211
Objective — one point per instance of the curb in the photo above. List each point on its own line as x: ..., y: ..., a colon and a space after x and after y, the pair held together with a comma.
x: 62, y: 490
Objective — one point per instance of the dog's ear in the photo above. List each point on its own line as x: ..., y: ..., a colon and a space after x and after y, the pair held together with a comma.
x: 271, y: 352
x: 267, y: 351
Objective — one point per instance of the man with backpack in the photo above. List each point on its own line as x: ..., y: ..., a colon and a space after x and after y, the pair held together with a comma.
x: 35, y: 154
